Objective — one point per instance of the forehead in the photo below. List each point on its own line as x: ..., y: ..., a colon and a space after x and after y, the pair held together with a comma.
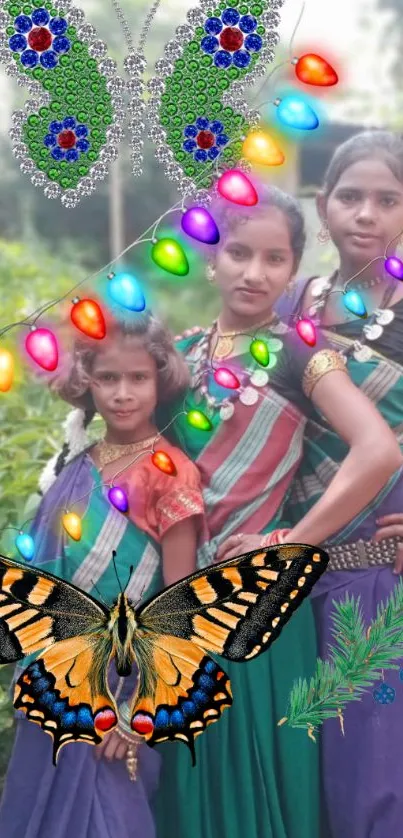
x: 267, y: 229
x: 123, y: 354
x: 370, y: 175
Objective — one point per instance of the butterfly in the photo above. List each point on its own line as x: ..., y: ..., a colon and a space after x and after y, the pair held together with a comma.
x: 70, y: 130
x: 235, y: 609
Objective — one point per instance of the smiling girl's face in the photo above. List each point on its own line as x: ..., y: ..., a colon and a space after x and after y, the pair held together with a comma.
x: 123, y: 385
x: 253, y: 267
x: 364, y: 211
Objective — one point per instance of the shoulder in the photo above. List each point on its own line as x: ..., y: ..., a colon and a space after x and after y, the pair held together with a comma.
x: 187, y: 334
x: 186, y: 470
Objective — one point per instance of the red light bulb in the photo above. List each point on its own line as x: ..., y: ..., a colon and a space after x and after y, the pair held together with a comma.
x: 163, y: 462
x: 88, y: 318
x: 313, y: 69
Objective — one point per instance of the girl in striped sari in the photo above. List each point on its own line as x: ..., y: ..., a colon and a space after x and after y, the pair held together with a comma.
x: 253, y: 779
x: 90, y: 794
x: 361, y: 208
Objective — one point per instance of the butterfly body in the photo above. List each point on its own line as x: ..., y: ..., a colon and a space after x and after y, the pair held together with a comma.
x: 235, y: 609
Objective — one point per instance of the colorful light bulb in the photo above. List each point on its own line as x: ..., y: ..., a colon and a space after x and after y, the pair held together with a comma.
x: 118, y: 499
x: 163, y: 462
x: 313, y: 69
x: 125, y: 290
x: 260, y: 352
x: 236, y: 187
x: 198, y: 223
x: 354, y: 303
x: 25, y: 546
x: 225, y: 378
x: 170, y: 256
x: 306, y: 330
x: 88, y: 318
x: 72, y: 525
x: 293, y: 112
x: 6, y: 370
x: 261, y: 149
x: 394, y: 267
x: 41, y: 345
x: 199, y: 420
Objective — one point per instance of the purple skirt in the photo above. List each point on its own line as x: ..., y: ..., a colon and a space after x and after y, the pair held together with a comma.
x: 82, y: 797
x: 362, y: 776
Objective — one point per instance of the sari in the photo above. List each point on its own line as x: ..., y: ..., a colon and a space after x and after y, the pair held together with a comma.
x: 82, y: 796
x: 361, y: 784
x: 251, y: 778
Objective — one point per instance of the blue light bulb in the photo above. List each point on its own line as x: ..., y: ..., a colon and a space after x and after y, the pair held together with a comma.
x: 295, y: 113
x: 125, y: 290
x: 25, y: 546
x: 353, y: 302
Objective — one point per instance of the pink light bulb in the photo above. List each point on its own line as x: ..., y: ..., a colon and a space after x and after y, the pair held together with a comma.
x: 225, y: 378
x: 306, y: 331
x: 41, y: 345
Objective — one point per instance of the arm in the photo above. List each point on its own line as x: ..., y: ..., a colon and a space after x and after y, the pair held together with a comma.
x: 373, y: 457
x: 179, y: 551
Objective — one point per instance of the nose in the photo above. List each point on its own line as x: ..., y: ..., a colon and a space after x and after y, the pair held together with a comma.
x: 123, y: 391
x: 254, y: 272
x: 366, y: 212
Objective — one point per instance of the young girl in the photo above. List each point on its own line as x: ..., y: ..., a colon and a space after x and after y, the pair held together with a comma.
x: 91, y: 793
x: 361, y: 210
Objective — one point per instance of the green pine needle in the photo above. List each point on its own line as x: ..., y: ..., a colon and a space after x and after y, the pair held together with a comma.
x: 355, y: 662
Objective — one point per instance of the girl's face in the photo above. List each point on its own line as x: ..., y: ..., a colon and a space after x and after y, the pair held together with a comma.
x: 364, y: 211
x: 254, y: 265
x: 123, y: 385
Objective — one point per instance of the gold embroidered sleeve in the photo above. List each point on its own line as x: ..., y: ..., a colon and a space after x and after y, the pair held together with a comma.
x: 183, y: 502
x: 319, y: 365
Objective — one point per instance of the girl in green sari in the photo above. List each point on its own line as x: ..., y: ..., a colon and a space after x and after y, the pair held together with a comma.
x: 253, y: 779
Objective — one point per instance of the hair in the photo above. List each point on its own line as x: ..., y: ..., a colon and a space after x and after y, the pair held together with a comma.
x: 375, y: 144
x: 72, y: 384
x: 228, y: 217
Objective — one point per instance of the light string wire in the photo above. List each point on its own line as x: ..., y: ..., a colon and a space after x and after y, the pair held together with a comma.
x: 32, y: 318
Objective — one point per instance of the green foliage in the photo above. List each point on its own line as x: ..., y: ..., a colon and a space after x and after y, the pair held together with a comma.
x: 356, y: 660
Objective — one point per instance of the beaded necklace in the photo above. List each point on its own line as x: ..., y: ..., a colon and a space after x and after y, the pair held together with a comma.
x: 250, y: 378
x: 373, y: 327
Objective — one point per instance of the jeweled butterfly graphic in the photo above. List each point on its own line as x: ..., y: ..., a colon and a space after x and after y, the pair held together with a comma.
x: 70, y: 129
x: 234, y: 609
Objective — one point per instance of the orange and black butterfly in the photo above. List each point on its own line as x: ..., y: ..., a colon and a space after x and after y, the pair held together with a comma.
x: 235, y: 609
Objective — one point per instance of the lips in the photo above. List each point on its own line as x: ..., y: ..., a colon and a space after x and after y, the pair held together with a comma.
x: 122, y: 414
x: 250, y: 292
x: 364, y: 237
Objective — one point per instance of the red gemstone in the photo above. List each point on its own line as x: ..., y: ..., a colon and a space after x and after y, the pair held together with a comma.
x: 231, y: 38
x: 67, y: 139
x: 142, y: 724
x: 105, y: 719
x: 205, y: 139
x: 39, y: 39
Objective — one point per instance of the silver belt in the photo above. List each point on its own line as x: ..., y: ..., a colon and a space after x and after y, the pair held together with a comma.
x: 362, y: 554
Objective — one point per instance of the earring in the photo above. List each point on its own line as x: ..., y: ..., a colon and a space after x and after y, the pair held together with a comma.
x: 323, y: 236
x: 210, y: 273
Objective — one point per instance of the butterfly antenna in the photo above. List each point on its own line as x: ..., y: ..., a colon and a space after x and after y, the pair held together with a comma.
x: 130, y: 575
x: 116, y: 571
x: 99, y: 593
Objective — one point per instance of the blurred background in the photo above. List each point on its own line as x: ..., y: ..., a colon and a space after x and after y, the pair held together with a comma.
x: 46, y: 249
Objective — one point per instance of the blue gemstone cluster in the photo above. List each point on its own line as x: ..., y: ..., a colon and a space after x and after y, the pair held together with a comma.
x: 231, y: 38
x: 193, y: 131
x: 70, y: 129
x: 39, y: 39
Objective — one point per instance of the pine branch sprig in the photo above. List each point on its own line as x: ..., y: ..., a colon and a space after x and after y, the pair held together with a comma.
x: 356, y: 660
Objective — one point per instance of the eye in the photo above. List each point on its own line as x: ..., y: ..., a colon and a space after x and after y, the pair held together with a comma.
x: 276, y: 258
x: 388, y: 201
x: 349, y: 196
x: 106, y: 376
x: 237, y: 253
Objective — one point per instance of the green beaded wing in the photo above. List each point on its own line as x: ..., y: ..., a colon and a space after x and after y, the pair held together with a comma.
x: 197, y: 113
x: 69, y: 130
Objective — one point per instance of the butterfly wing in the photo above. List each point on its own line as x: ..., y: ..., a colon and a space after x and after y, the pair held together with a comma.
x: 64, y: 690
x: 37, y: 609
x: 235, y: 609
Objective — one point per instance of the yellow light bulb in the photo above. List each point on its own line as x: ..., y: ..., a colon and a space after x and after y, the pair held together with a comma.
x: 261, y: 149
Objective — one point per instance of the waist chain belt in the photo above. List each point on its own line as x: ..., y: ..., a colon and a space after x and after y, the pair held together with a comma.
x: 362, y: 554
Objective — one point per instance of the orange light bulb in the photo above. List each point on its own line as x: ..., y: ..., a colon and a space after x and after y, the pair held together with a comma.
x: 88, y: 318
x: 72, y: 525
x: 163, y: 462
x: 6, y: 370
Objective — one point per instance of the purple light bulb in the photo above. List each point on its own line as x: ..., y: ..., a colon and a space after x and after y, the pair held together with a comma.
x: 118, y: 499
x: 394, y: 267
x: 198, y: 223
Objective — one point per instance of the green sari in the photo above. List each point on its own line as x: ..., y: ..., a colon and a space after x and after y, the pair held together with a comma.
x: 252, y: 779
